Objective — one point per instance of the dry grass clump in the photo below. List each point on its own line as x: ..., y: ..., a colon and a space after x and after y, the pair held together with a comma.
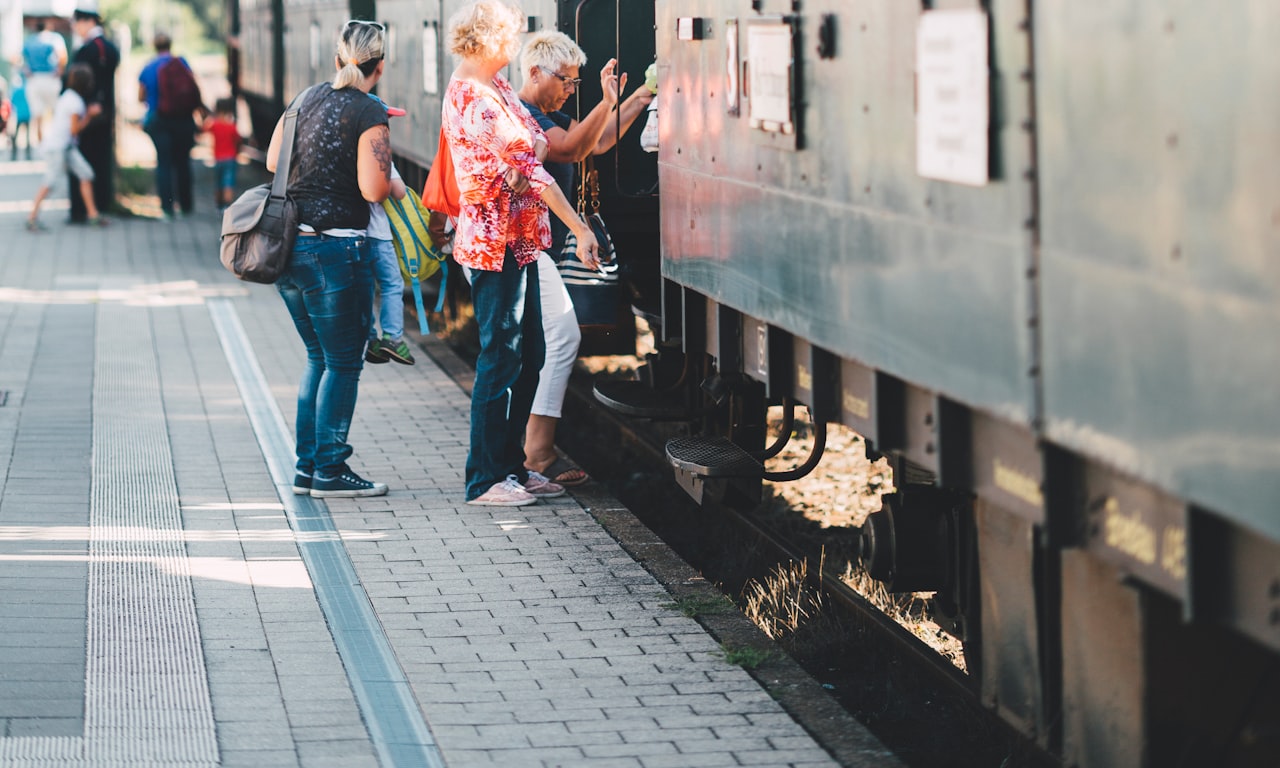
x: 784, y: 601
x: 845, y: 488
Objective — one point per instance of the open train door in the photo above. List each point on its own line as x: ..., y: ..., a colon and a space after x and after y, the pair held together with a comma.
x: 628, y: 176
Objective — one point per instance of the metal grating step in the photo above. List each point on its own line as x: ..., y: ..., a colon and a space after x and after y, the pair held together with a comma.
x: 712, y: 457
x: 635, y: 398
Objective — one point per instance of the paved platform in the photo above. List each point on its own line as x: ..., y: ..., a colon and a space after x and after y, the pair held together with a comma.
x: 165, y: 599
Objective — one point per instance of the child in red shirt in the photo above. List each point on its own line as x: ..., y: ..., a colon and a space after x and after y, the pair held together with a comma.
x: 226, y: 145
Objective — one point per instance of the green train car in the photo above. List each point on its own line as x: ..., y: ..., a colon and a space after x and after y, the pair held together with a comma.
x: 1029, y: 249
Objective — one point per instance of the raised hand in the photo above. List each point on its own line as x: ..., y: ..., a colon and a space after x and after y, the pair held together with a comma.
x: 610, y: 85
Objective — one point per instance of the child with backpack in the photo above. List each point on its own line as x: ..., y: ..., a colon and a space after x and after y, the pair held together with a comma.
x: 386, y: 271
x: 226, y: 146
x: 59, y: 149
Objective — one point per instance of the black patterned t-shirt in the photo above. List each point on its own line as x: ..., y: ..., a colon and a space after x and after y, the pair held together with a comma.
x: 322, y: 177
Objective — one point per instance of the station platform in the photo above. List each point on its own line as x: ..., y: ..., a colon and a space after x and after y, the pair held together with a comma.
x: 165, y: 599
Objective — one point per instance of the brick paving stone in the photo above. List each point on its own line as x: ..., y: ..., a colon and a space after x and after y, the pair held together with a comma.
x: 683, y: 760
x: 258, y: 758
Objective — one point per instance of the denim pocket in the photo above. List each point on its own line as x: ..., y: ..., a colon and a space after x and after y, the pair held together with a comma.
x: 305, y: 271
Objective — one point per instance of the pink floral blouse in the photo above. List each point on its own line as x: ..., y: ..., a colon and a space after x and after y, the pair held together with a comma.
x: 486, y: 137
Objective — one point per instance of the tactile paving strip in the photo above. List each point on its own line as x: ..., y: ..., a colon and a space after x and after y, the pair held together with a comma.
x: 146, y: 695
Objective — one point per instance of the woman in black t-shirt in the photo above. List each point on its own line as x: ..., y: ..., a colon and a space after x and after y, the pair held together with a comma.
x: 341, y: 162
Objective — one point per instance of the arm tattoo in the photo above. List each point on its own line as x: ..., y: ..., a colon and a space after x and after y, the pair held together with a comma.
x: 381, y: 146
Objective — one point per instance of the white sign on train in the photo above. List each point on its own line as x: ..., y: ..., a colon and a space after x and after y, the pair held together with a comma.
x: 953, y: 111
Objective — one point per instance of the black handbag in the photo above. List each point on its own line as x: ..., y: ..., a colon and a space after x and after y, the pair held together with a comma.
x: 259, y: 228
x: 596, y: 293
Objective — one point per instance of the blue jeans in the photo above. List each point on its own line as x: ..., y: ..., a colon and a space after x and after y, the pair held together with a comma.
x: 386, y: 270
x: 226, y: 171
x: 329, y: 292
x: 508, y: 311
x: 174, y: 137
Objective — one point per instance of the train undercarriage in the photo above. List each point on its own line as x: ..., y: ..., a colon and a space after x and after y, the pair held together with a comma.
x: 1068, y: 583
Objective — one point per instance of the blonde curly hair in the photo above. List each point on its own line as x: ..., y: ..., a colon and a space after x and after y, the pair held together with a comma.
x: 486, y: 30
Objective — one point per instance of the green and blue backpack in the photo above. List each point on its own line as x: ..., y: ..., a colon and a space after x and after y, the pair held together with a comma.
x: 418, y: 258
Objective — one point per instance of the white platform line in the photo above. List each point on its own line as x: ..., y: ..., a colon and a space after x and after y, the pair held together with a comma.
x: 397, y: 728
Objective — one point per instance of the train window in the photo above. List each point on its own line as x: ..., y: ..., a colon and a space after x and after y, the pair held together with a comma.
x: 731, y: 66
x: 315, y: 46
x: 430, y: 64
x: 954, y: 99
x: 771, y: 80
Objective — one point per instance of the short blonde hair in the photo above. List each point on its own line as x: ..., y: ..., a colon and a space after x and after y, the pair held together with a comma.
x: 550, y: 50
x: 486, y: 30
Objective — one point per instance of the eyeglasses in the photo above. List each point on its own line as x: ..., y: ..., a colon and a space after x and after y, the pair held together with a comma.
x: 574, y: 81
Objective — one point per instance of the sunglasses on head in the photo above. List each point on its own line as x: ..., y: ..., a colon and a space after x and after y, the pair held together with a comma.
x: 574, y: 81
x: 373, y: 24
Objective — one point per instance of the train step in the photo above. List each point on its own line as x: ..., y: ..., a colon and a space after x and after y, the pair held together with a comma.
x: 635, y: 398
x: 712, y: 457
x: 650, y: 313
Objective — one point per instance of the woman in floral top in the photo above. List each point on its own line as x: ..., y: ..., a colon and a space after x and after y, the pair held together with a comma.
x: 497, y: 148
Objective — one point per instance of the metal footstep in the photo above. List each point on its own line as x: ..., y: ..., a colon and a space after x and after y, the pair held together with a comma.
x: 712, y: 457
x: 635, y: 398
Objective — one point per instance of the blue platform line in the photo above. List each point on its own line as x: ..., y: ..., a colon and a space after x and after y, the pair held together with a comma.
x: 396, y: 726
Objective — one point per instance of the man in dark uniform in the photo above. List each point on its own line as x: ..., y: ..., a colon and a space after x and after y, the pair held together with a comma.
x: 97, y: 139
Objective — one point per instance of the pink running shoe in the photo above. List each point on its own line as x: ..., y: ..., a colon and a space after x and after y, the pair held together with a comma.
x: 541, y: 486
x: 507, y: 493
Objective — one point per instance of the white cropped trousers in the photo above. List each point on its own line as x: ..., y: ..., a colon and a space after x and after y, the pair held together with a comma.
x: 560, y: 327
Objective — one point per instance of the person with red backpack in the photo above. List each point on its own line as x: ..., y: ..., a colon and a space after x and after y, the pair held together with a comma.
x: 169, y: 89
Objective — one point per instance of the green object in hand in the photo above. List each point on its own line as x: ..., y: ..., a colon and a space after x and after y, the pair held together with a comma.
x: 651, y: 77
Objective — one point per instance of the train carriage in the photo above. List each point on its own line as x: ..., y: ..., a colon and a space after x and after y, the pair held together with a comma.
x: 1022, y: 247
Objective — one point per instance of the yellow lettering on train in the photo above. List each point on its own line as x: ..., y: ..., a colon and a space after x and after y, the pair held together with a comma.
x: 1018, y: 484
x: 804, y: 378
x: 1173, y: 551
x: 1129, y: 534
x: 857, y: 406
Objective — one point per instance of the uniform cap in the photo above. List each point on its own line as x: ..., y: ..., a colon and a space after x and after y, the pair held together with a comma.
x: 87, y: 9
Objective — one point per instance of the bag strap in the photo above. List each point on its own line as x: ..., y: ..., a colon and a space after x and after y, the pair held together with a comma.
x: 280, y: 182
x: 590, y: 183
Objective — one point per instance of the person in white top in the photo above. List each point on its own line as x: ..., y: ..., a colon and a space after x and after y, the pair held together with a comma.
x: 59, y: 150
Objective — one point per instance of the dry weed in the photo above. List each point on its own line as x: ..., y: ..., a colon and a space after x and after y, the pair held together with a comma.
x: 845, y: 488
x: 784, y: 601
